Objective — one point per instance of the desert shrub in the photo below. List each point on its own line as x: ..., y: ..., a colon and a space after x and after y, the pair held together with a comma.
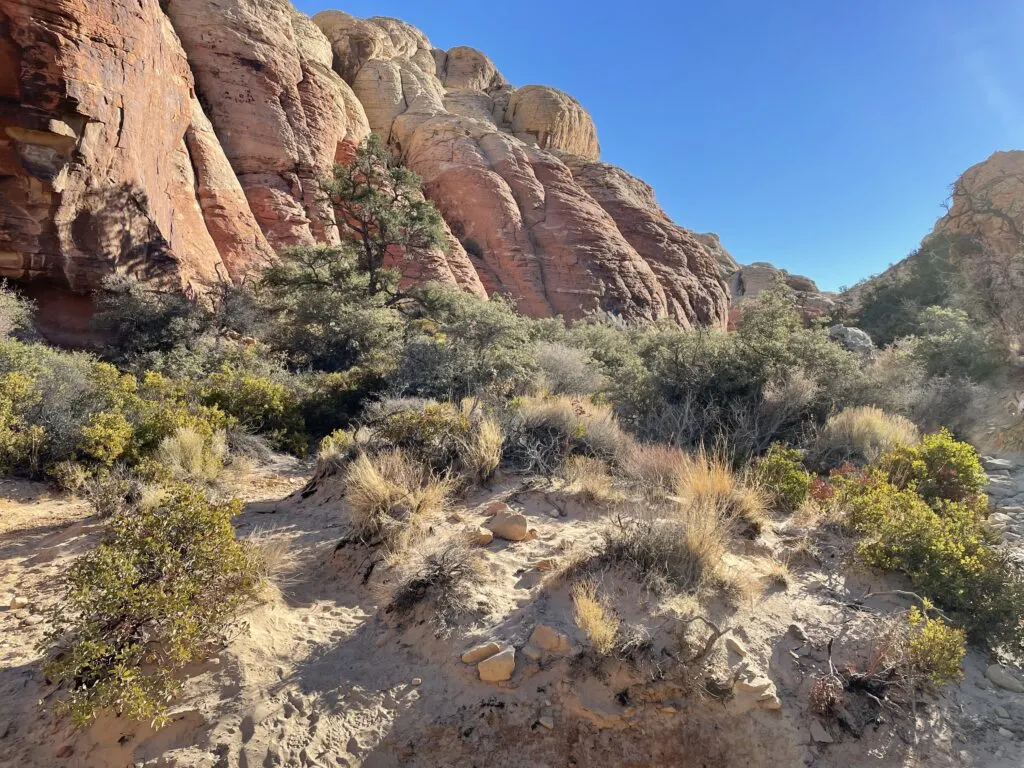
x: 594, y: 615
x: 708, y: 486
x: 21, y: 441
x: 944, y: 550
x: 445, y: 577
x: 780, y: 474
x: 330, y: 401
x: 935, y: 648
x: 189, y: 455
x: 566, y: 370
x: 390, y: 496
x: 17, y: 314
x: 949, y: 343
x: 460, y: 345
x: 155, y: 595
x: 432, y: 433
x: 683, y: 552
x: 544, y: 431
x: 480, y: 452
x: 259, y: 404
x: 114, y: 491
x: 939, y: 467
x: 135, y: 321
x: 653, y: 466
x: 588, y: 478
x: 862, y: 434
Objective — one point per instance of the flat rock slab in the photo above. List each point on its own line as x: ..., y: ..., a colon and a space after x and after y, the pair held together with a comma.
x: 1003, y: 679
x: 480, y: 652
x: 499, y: 667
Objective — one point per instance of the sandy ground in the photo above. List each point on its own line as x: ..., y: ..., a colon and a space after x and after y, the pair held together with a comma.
x: 322, y: 674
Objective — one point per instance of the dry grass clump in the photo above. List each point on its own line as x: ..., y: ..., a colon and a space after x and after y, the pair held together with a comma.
x: 778, y: 573
x: 683, y: 552
x: 588, y: 479
x: 656, y: 467
x: 190, y: 456
x: 390, y: 495
x: 545, y: 430
x: 707, y: 482
x: 862, y: 433
x: 480, y: 451
x: 446, y: 576
x: 595, y: 617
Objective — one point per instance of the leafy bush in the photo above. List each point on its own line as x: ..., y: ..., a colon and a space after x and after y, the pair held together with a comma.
x: 949, y: 343
x: 781, y: 475
x: 259, y: 404
x: 566, y: 370
x: 863, y: 434
x: 936, y: 649
x: 17, y: 314
x: 432, y: 433
x: 940, y: 467
x: 945, y: 551
x: 154, y: 596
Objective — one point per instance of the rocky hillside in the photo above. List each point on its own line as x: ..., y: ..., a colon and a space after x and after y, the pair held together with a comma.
x: 182, y: 141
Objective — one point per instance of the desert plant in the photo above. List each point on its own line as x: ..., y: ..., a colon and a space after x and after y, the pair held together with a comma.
x: 544, y: 431
x: 708, y: 485
x: 192, y: 456
x: 594, y: 615
x: 935, y: 648
x: 445, y: 576
x: 390, y: 495
x: 588, y: 479
x: 949, y: 343
x: 480, y: 452
x: 656, y: 467
x: 567, y: 370
x: 155, y: 595
x: 780, y: 474
x: 940, y: 467
x: 862, y: 434
x: 17, y: 314
x: 430, y: 432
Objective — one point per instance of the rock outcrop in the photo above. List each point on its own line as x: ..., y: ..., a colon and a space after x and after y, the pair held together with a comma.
x: 106, y: 158
x: 748, y: 281
x: 183, y: 141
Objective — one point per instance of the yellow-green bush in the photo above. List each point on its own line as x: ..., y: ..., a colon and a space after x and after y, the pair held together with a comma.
x: 780, y: 474
x: 430, y: 433
x: 154, y: 596
x: 936, y: 649
x: 939, y: 467
x: 260, y: 404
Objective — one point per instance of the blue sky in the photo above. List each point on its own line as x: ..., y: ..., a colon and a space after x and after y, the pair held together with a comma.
x: 820, y: 135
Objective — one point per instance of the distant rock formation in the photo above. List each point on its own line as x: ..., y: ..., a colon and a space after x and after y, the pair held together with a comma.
x: 750, y: 280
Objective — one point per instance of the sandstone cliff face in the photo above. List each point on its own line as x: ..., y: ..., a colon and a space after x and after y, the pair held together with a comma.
x: 183, y: 140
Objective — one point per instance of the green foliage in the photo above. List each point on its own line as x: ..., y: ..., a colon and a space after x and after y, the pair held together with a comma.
x: 892, y: 303
x: 949, y: 343
x: 155, y: 595
x: 944, y: 550
x: 430, y: 433
x: 936, y: 649
x: 459, y: 345
x: 940, y: 467
x: 381, y: 208
x: 260, y: 404
x: 17, y: 314
x: 781, y: 475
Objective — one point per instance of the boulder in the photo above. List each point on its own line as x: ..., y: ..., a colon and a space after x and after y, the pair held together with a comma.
x: 1001, y: 678
x: 498, y: 668
x: 479, y: 536
x: 550, y: 639
x: 511, y: 526
x: 852, y: 339
x: 480, y: 652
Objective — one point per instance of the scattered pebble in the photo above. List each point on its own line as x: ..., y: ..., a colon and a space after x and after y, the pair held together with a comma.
x: 819, y: 734
x: 417, y: 681
x: 1001, y: 712
x: 1006, y: 734
x: 547, y: 721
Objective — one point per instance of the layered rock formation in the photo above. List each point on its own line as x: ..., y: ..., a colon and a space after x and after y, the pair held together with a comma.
x: 183, y: 140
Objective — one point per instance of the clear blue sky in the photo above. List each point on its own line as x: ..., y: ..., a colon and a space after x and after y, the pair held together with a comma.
x: 820, y: 135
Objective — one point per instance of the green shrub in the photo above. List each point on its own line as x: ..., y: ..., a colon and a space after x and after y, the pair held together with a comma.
x: 567, y: 370
x: 949, y: 343
x: 428, y: 432
x: 936, y: 649
x: 939, y: 467
x: 945, y: 551
x: 781, y: 475
x: 17, y: 315
x: 260, y: 405
x: 154, y: 596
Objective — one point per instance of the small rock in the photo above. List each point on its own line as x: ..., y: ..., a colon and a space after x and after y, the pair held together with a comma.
x: 756, y: 685
x: 550, y: 639
x: 736, y: 647
x: 17, y: 602
x: 771, y: 703
x: 1003, y: 679
x: 499, y: 667
x: 5, y: 601
x: 533, y: 652
x: 31, y: 621
x: 66, y: 751
x: 668, y: 710
x: 479, y: 536
x: 798, y: 632
x: 547, y: 564
x: 547, y: 721
x: 497, y: 508
x: 1001, y: 712
x: 1005, y: 733
x: 480, y: 652
x: 819, y: 734
x: 454, y: 517
x: 417, y: 681
x: 511, y: 526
